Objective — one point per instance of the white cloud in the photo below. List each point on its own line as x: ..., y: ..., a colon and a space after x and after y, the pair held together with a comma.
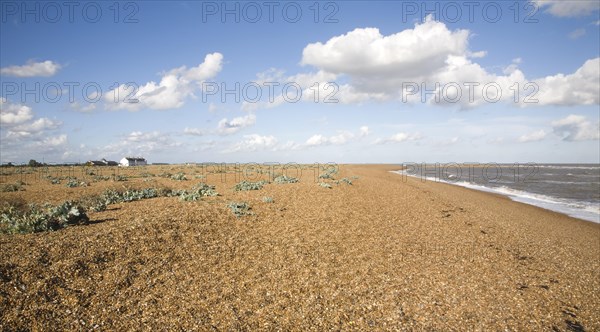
x: 76, y: 106
x: 341, y: 138
x: 138, y: 143
x: 496, y: 140
x: 579, y: 88
x: 33, y: 128
x: 53, y: 142
x: 32, y: 69
x: 569, y: 8
x: 446, y: 142
x: 11, y: 114
x: 288, y: 146
x: 373, y: 67
x: 377, y: 66
x: 364, y: 131
x: 212, y: 65
x: 577, y: 33
x: 193, y: 131
x: 228, y: 127
x: 252, y: 143
x: 479, y: 54
x: 365, y: 52
x: 172, y: 90
x: 270, y: 75
x: 399, y: 138
x: 212, y: 107
x: 316, y: 140
x: 533, y: 137
x: 576, y: 128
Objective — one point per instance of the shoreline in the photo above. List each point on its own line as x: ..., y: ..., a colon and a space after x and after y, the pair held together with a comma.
x: 517, y: 197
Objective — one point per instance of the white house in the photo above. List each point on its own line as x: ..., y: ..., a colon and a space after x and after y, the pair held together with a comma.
x: 133, y: 161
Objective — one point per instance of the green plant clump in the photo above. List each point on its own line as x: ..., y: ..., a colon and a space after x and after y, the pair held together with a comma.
x: 246, y: 185
x: 112, y: 196
x: 285, y: 179
x: 119, y: 178
x: 74, y: 183
x: 198, y: 191
x: 325, y: 185
x: 41, y: 218
x: 179, y: 177
x: 240, y: 209
x: 102, y: 178
x: 326, y: 176
x: 267, y: 199
x: 11, y: 187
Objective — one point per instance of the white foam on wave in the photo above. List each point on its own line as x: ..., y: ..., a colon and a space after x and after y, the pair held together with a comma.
x: 568, y: 167
x: 589, y: 211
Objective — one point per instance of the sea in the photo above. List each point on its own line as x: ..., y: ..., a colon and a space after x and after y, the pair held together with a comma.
x: 571, y: 189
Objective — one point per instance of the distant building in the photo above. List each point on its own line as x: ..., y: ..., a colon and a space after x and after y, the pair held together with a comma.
x: 133, y: 161
x: 102, y: 162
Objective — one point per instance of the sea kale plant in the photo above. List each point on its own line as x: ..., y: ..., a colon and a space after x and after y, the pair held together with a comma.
x: 197, y: 192
x: 246, y: 185
x: 285, y: 179
x: 240, y: 209
x: 41, y: 218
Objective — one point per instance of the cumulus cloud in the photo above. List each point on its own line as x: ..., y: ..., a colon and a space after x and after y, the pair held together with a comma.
x: 399, y: 138
x: 579, y: 88
x: 228, y: 127
x: 32, y: 69
x: 253, y: 142
x: 427, y: 64
x: 19, y: 121
x: 258, y: 142
x: 364, y: 131
x: 576, y: 128
x: 52, y: 142
x: 364, y: 53
x: 342, y: 137
x: 33, y: 128
x: 174, y: 87
x: 569, y: 8
x: 139, y: 143
x: 533, y: 137
x: 12, y: 114
x: 315, y: 140
x: 193, y: 131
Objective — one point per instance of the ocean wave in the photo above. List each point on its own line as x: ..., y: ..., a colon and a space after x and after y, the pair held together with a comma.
x: 568, y: 167
x: 579, y: 209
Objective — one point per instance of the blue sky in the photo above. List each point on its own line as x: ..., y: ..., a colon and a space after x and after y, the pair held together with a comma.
x: 372, y: 59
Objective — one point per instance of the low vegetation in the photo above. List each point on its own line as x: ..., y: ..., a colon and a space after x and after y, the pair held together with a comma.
x: 72, y: 183
x: 246, y: 185
x: 25, y: 218
x: 179, y: 177
x: 41, y: 218
x: 282, y: 179
x: 240, y: 209
x: 12, y: 187
x: 197, y: 192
